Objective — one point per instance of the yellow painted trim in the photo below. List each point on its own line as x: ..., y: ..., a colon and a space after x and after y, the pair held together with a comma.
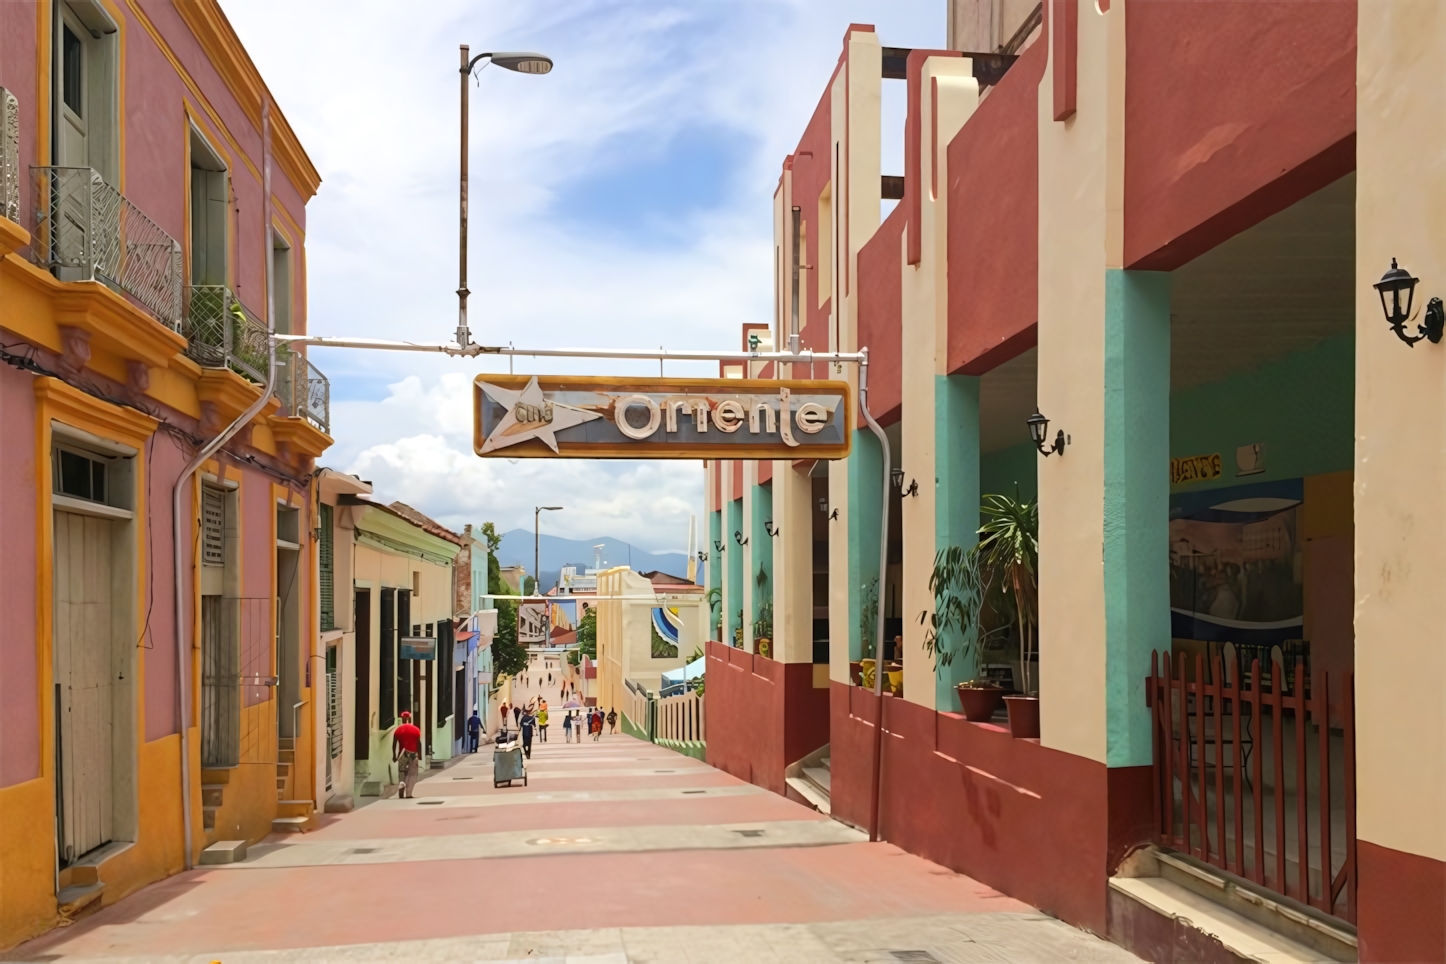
x: 44, y: 82
x: 66, y: 403
x: 226, y: 53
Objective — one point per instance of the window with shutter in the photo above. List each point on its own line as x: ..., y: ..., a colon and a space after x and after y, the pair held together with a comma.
x: 213, y: 526
x: 325, y: 584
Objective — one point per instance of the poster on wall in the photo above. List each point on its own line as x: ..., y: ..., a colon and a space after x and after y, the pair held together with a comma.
x: 532, y: 623
x: 1237, y: 564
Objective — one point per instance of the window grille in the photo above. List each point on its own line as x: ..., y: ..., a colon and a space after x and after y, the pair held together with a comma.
x: 213, y: 526
x: 325, y: 572
x: 9, y: 156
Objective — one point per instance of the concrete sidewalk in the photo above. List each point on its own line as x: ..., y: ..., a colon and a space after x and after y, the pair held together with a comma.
x: 611, y: 866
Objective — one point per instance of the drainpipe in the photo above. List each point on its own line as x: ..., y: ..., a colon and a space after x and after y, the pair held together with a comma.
x: 179, y: 492
x: 876, y: 799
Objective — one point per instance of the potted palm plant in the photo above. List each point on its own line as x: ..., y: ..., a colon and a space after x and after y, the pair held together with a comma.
x: 998, y: 573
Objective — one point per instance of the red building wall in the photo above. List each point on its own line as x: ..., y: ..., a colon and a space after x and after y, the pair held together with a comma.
x: 1233, y: 112
x: 762, y: 715
x: 881, y: 314
x: 994, y: 223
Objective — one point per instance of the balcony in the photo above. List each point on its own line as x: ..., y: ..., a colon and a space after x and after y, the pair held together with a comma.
x: 85, y: 230
x: 222, y: 333
x: 304, y: 391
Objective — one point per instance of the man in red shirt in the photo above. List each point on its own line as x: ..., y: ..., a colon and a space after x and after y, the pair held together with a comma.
x: 406, y: 750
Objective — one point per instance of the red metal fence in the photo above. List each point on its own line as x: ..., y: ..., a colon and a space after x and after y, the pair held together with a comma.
x: 1287, y: 823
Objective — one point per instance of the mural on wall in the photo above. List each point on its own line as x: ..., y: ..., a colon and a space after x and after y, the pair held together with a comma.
x: 1237, y: 564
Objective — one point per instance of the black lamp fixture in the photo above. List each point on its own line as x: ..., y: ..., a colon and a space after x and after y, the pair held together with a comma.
x: 772, y: 531
x: 833, y: 516
x: 896, y: 478
x: 719, y: 545
x: 1397, y: 285
x: 702, y: 556
x: 822, y: 504
x: 1039, y: 430
x: 738, y: 538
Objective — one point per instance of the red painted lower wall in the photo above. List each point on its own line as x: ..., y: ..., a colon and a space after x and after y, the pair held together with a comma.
x: 1038, y: 824
x: 1402, y: 905
x: 762, y: 715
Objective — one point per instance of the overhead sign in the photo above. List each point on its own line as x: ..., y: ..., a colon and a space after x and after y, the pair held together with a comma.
x: 418, y: 647
x: 520, y: 416
x: 1195, y: 468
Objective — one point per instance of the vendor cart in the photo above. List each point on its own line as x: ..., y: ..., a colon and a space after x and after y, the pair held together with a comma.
x: 507, y: 765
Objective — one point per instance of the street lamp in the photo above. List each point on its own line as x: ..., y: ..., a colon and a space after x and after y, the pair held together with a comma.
x: 536, y: 572
x: 522, y: 63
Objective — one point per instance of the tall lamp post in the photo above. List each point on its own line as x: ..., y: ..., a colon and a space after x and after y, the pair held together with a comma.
x: 522, y: 63
x: 537, y: 572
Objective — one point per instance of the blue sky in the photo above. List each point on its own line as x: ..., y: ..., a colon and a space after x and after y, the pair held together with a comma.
x: 622, y: 200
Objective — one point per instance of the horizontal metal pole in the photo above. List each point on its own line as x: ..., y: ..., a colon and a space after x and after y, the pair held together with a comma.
x: 645, y: 354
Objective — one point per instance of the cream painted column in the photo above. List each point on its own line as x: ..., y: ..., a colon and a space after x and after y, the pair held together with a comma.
x: 854, y: 486
x: 1400, y: 466
x: 948, y: 95
x: 792, y: 564
x: 1080, y: 230
x: 748, y: 590
x: 732, y: 555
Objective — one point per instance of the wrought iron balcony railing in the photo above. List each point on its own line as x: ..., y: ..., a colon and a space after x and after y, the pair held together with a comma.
x: 85, y: 230
x: 304, y: 391
x: 10, y: 179
x: 221, y: 333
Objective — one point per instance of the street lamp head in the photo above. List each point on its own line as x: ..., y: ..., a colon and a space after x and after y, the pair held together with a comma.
x: 524, y: 63
x: 548, y: 508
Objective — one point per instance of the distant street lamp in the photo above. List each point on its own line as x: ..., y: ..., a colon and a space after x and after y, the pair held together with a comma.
x: 522, y: 63
x: 537, y: 573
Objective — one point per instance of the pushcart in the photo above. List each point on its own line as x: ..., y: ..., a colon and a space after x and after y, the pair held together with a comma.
x: 507, y: 765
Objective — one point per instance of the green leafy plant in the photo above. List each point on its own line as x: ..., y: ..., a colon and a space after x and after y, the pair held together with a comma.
x: 1000, y: 572
x: 763, y: 625
x: 868, y: 618
x: 586, y: 638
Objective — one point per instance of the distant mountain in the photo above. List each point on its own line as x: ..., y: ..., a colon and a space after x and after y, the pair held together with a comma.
x: 554, y: 552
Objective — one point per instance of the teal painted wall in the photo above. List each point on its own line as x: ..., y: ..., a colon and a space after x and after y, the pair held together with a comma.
x: 762, y: 545
x: 734, y: 555
x: 1302, y: 407
x: 1000, y: 471
x: 956, y: 513
x: 865, y: 512
x: 715, y: 565
x: 1136, y: 502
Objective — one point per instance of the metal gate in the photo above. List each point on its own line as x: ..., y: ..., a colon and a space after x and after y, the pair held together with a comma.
x: 220, y: 684
x: 333, y: 716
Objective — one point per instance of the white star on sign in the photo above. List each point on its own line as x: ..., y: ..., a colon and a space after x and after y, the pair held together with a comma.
x: 534, y: 407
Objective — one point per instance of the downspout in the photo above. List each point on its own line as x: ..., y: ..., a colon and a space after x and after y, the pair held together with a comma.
x: 876, y: 799
x: 177, y: 493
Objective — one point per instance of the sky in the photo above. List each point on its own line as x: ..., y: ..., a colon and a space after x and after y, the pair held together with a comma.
x: 623, y: 200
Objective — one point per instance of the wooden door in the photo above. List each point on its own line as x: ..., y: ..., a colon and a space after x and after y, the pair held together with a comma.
x: 86, y: 674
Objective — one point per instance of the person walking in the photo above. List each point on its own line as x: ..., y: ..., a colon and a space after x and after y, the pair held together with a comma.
x: 406, y: 750
x: 612, y: 721
x: 567, y: 728
x: 474, y: 731
x: 597, y: 722
x: 528, y: 722
x: 517, y: 716
x: 542, y: 721
x: 504, y: 714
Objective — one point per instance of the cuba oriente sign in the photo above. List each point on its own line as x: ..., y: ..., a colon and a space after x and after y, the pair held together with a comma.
x: 521, y: 416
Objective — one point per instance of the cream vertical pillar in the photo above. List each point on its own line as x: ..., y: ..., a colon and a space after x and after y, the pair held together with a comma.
x: 1400, y: 474
x: 1080, y: 232
x: 853, y: 549
x: 948, y: 95
x: 792, y: 564
x: 748, y: 589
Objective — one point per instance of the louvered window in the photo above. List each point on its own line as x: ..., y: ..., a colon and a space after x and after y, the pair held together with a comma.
x: 325, y: 583
x: 213, y: 526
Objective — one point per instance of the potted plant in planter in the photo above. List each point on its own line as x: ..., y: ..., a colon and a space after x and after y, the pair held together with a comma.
x: 763, y: 631
x: 954, y: 627
x: 997, y: 573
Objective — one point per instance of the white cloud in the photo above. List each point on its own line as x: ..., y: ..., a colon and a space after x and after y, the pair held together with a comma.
x: 371, y: 88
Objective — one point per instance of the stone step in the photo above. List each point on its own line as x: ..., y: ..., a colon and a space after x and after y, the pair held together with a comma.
x: 286, y: 743
x: 810, y: 793
x: 208, y: 818
x: 286, y: 756
x: 78, y: 900
x: 821, y: 776
x: 212, y: 775
x: 340, y: 803
x: 294, y: 808
x: 827, y: 763
x: 224, y: 852
x: 212, y: 794
x: 294, y: 824
x: 283, y: 769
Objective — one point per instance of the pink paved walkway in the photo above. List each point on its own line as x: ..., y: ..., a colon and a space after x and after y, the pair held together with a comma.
x: 219, y: 910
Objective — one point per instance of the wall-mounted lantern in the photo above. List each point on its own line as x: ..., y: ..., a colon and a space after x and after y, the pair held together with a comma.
x: 719, y: 545
x: 772, y: 532
x: 702, y: 556
x: 738, y: 538
x: 822, y: 504
x: 1039, y: 430
x: 1397, y: 286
